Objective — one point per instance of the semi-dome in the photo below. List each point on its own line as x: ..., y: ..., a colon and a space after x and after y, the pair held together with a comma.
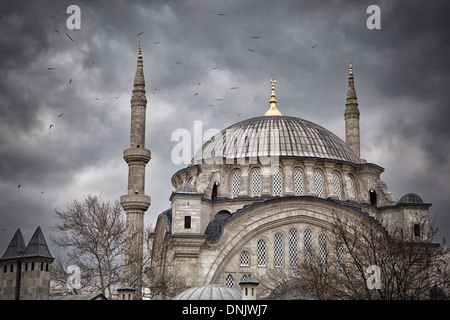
x: 186, y: 188
x: 209, y: 292
x: 281, y: 136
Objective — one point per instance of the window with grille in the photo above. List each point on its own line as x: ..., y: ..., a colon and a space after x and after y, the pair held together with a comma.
x: 352, y: 189
x: 298, y: 182
x: 323, y: 249
x: 261, y: 252
x: 308, y: 245
x: 337, y: 185
x: 245, y: 277
x: 318, y: 183
x: 278, y: 250
x: 340, y: 255
x: 277, y: 183
x: 293, y: 247
x: 235, y: 184
x: 229, y: 281
x: 244, y: 259
x: 256, y: 183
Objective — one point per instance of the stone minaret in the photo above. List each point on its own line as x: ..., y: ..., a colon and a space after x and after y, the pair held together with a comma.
x: 352, y: 116
x: 135, y: 202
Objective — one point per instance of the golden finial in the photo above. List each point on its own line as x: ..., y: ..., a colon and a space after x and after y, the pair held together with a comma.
x: 140, y: 49
x: 273, y: 111
x: 351, y: 68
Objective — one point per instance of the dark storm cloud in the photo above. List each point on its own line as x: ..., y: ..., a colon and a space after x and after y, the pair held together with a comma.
x: 401, y: 74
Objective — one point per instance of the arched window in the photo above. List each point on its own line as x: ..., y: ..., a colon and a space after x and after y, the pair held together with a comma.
x: 337, y: 185
x: 293, y: 247
x: 261, y: 251
x: 340, y: 255
x: 278, y: 250
x: 323, y: 249
x: 256, y: 183
x: 229, y: 281
x: 244, y: 259
x: 235, y: 184
x: 352, y: 191
x: 308, y: 245
x: 277, y: 183
x: 298, y: 182
x: 318, y: 184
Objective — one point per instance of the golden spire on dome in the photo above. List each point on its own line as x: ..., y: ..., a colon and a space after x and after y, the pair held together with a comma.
x: 273, y: 111
x: 140, y: 49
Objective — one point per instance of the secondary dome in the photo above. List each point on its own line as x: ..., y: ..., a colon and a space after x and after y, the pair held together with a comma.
x: 209, y: 292
x: 411, y: 198
x: 273, y: 136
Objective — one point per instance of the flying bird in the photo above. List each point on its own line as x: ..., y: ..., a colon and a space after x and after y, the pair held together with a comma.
x: 156, y: 42
x: 42, y: 192
x: 70, y: 81
x: 196, y: 94
x: 50, y: 69
x: 18, y: 186
x: 314, y: 46
x: 140, y: 33
x: 178, y: 62
x: 233, y: 88
x: 221, y: 14
x: 199, y: 83
x: 56, y: 31
x: 60, y: 115
x: 50, y: 127
x: 69, y: 36
x: 251, y: 50
x: 256, y: 37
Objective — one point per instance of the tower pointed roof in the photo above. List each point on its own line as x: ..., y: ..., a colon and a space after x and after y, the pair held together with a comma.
x: 16, y: 247
x: 351, y: 93
x: 37, y: 247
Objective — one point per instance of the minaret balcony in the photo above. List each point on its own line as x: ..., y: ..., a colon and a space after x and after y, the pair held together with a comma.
x: 137, y: 155
x: 135, y: 202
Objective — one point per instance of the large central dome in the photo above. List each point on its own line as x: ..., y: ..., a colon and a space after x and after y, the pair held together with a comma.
x: 272, y: 136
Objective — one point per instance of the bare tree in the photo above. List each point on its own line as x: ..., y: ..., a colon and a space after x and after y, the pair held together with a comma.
x: 92, y: 233
x: 360, y: 260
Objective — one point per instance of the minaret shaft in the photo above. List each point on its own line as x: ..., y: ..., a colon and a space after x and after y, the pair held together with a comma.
x: 135, y: 202
x: 352, y: 134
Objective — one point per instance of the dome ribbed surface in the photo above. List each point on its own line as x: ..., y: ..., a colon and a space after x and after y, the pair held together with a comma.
x: 209, y: 292
x: 411, y: 198
x: 274, y: 136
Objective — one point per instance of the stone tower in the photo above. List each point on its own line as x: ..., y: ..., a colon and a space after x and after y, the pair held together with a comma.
x: 135, y: 202
x: 352, y: 116
x: 25, y: 271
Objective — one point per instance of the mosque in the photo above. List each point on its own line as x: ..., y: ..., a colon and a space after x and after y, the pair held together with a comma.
x: 258, y: 195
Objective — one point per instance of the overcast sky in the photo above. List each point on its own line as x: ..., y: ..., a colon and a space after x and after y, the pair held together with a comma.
x: 401, y: 79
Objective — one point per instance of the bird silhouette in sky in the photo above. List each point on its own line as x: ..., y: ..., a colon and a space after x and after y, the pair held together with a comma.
x: 51, y: 126
x: 314, y: 46
x: 256, y: 37
x: 140, y: 33
x: 69, y: 36
x: 221, y: 14
x: 49, y: 69
x: 251, y: 50
x: 60, y: 115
